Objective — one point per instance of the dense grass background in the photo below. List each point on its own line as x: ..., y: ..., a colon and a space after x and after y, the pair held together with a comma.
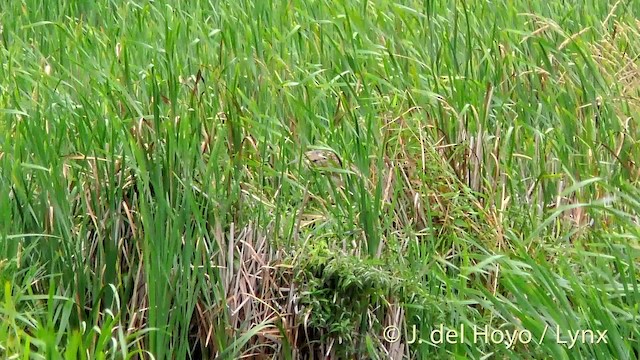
x: 191, y: 179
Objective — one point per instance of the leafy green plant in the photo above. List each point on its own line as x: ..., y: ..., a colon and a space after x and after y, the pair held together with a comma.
x: 153, y: 186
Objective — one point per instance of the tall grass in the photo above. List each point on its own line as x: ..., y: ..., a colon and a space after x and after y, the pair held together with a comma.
x: 474, y: 164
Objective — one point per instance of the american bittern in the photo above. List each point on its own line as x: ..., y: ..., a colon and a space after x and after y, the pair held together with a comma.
x: 326, y: 159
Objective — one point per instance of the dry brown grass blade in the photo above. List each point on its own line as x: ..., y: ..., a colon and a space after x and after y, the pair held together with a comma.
x: 259, y: 290
x: 395, y: 317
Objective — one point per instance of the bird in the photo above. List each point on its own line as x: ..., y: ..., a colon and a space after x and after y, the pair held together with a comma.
x: 324, y: 158
x: 328, y: 162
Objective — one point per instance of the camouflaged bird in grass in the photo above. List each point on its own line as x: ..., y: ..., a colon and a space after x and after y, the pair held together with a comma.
x: 328, y: 162
x: 323, y: 158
